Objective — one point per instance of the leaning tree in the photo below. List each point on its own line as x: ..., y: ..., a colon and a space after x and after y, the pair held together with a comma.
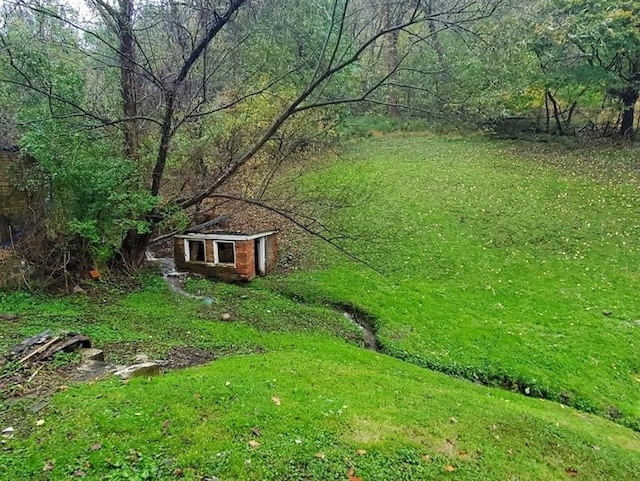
x: 118, y: 106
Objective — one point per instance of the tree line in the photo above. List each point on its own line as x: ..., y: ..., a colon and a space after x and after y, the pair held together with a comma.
x: 144, y: 114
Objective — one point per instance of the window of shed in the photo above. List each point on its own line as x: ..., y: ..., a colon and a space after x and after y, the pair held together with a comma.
x: 195, y: 251
x: 225, y: 253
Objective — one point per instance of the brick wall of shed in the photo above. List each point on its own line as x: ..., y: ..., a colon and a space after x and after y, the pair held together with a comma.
x: 246, y: 259
x: 245, y: 268
x: 13, y: 203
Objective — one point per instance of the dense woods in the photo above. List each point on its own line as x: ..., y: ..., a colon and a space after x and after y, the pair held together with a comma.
x: 143, y: 114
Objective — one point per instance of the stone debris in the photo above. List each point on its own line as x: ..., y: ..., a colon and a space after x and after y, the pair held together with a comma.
x: 91, y: 354
x: 38, y: 406
x: 143, y: 369
x: 141, y: 358
x: 43, y: 346
x: 93, y: 370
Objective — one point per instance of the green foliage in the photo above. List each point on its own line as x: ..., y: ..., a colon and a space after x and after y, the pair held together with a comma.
x: 372, y: 124
x: 590, y: 47
x: 95, y: 195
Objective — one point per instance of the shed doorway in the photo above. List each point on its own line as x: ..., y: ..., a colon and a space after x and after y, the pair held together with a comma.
x: 261, y: 256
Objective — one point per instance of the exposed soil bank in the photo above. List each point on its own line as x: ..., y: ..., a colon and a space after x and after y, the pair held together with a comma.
x: 364, y: 322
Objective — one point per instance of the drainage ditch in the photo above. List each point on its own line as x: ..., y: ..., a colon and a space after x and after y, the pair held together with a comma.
x: 174, y: 278
x: 367, y: 324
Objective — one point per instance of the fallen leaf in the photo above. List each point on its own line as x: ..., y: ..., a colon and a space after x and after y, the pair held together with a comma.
x: 298, y: 441
x: 256, y: 432
x: 351, y: 475
x: 40, y: 422
x: 449, y: 468
x: 196, y: 395
x: 177, y: 472
x: 571, y: 472
x: 165, y: 426
x: 95, y: 446
x: 596, y: 447
x: 361, y: 452
x: 79, y: 473
x: 276, y: 400
x: 63, y: 388
x: 462, y: 453
x: 48, y: 466
x: 426, y: 457
x: 453, y: 420
x: 253, y: 444
x: 321, y: 456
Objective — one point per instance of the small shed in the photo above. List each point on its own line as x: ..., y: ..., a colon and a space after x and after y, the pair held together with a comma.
x: 226, y: 255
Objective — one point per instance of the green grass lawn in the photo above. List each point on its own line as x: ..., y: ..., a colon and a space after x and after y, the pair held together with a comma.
x: 500, y: 259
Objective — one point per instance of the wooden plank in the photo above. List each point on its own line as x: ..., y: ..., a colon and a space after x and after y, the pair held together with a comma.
x: 42, y: 348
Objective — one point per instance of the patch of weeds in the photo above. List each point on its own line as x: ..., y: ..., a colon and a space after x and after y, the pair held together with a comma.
x: 136, y: 466
x: 63, y: 359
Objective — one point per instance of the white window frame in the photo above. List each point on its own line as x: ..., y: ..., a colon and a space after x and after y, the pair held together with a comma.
x: 216, y: 259
x: 187, y: 250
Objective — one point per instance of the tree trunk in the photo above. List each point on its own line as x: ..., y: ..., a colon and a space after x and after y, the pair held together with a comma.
x: 134, y: 249
x: 546, y: 108
x: 392, y: 64
x: 128, y: 79
x: 556, y: 113
x: 629, y: 98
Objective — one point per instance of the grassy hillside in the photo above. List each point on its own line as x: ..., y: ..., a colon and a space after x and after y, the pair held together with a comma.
x: 499, y: 265
x: 506, y: 263
x: 280, y: 402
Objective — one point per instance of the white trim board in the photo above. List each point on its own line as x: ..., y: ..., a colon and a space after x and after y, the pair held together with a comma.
x: 226, y: 237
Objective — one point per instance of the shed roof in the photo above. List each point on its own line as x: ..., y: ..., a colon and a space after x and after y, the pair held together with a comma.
x: 227, y: 236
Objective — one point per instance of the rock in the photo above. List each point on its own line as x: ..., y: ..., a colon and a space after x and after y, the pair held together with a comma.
x: 92, y: 370
x: 607, y: 313
x: 141, y: 358
x: 38, y: 406
x: 90, y: 354
x: 226, y: 316
x: 142, y: 369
